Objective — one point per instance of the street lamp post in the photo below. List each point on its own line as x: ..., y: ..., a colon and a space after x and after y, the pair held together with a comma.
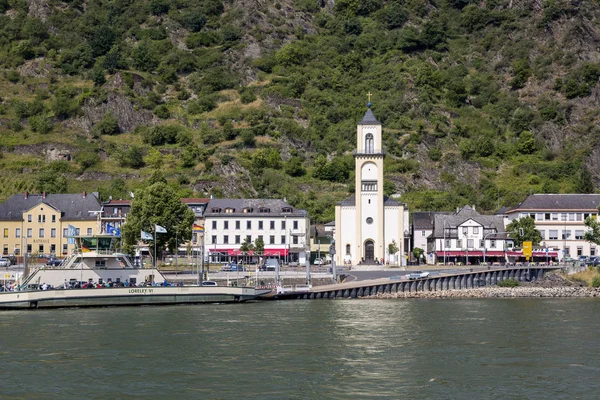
x: 484, y: 242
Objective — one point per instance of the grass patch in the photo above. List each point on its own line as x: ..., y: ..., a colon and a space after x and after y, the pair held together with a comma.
x: 588, y: 276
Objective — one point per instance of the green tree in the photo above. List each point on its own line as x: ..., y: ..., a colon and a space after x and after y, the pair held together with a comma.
x: 584, y: 183
x: 418, y: 254
x: 593, y: 234
x: 294, y: 167
x: 523, y: 230
x: 157, y: 204
x: 246, y: 246
x: 259, y: 245
x: 526, y: 143
x: 393, y: 248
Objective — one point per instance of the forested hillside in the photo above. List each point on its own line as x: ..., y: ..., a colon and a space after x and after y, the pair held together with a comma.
x: 482, y: 102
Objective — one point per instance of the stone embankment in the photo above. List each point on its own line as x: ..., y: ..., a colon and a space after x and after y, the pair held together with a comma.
x: 497, y: 292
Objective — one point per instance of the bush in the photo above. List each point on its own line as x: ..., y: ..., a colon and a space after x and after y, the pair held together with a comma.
x: 162, y: 112
x: 40, y: 124
x: 596, y: 281
x: 510, y: 282
x: 107, y: 126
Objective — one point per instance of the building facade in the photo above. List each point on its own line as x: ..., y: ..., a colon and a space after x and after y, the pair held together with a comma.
x: 368, y: 222
x: 421, y: 230
x: 39, y: 223
x: 467, y: 237
x: 229, y: 222
x: 560, y: 220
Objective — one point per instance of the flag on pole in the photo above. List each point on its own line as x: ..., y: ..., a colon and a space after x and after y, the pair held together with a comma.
x: 198, y: 228
x: 159, y: 229
x: 146, y: 235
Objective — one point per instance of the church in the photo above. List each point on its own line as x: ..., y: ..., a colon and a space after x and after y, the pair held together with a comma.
x: 367, y: 223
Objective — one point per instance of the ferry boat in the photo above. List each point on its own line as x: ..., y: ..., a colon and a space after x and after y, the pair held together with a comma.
x: 95, y: 259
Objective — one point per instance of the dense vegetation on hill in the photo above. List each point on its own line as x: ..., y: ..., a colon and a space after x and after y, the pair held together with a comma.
x: 482, y: 102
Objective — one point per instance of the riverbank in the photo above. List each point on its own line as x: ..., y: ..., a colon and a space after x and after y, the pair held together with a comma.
x: 496, y: 292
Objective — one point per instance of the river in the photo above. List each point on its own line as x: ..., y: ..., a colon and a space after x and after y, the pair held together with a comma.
x: 310, y: 349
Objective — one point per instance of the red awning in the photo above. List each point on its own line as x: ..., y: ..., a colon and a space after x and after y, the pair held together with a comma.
x: 543, y: 254
x: 237, y: 252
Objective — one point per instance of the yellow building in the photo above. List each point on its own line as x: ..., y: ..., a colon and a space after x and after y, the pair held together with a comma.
x: 39, y: 223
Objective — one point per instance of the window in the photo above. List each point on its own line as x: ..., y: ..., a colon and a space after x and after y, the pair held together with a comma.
x: 369, y: 144
x: 369, y: 220
x: 247, y: 210
x: 237, y: 239
x: 579, y: 217
x: 29, y: 232
x: 470, y: 243
x: 248, y: 224
x: 539, y: 216
x: 422, y: 233
x: 65, y: 232
x: 579, y: 235
x: 249, y: 238
x: 53, y: 232
x: 225, y: 224
x: 53, y: 218
x: 29, y: 218
x: 89, y: 231
x: 229, y: 210
x: 554, y: 216
x: 260, y: 237
x: 29, y: 249
x: 283, y: 224
x: 347, y: 249
x: 481, y: 243
x: 447, y: 244
x: 282, y: 239
x: 272, y: 225
x: 475, y: 230
x: 592, y: 251
x: 571, y: 216
x: 6, y: 232
x: 214, y: 224
x: 295, y: 225
x: 563, y: 216
x: 41, y: 249
x: 5, y: 250
x: 65, y: 248
x: 492, y: 244
x: 566, y: 234
x: 579, y: 251
x: 272, y: 239
x: 567, y: 251
x: 542, y: 234
x: 53, y: 248
x: 553, y: 234
x: 41, y: 218
x: 264, y: 210
x: 260, y: 225
x: 465, y: 230
x: 295, y: 239
x: 237, y: 224
x: 369, y: 186
x: 41, y: 232
x: 18, y: 232
x: 17, y: 250
x: 547, y: 216
x: 216, y: 210
x: 459, y: 243
x: 77, y: 231
x: 286, y: 209
x: 226, y: 239
x: 214, y: 239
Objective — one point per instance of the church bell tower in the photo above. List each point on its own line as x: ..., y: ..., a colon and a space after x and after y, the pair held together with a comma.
x: 369, y: 198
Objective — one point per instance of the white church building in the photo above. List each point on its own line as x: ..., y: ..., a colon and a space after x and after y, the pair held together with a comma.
x: 368, y: 222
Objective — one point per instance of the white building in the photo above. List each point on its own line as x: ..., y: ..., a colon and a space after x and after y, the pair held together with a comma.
x: 560, y: 219
x: 368, y: 222
x: 468, y: 237
x: 229, y: 222
x: 422, y: 228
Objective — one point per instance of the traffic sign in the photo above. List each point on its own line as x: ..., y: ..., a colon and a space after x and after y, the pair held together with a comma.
x: 527, y: 249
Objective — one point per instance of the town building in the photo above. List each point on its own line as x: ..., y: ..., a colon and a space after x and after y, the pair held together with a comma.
x: 198, y: 206
x: 421, y: 230
x: 467, y: 237
x: 229, y: 222
x: 560, y: 219
x: 367, y: 223
x: 113, y: 216
x: 40, y: 224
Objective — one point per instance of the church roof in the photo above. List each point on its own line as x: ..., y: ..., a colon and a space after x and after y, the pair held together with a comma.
x: 387, y: 201
x: 369, y: 119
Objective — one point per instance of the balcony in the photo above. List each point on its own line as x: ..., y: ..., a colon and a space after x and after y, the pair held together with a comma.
x: 368, y: 152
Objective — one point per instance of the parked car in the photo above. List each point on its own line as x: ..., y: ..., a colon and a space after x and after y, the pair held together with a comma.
x: 54, y: 262
x: 4, y: 262
x: 209, y: 283
x: 319, y: 261
x: 418, y: 275
x: 270, y: 264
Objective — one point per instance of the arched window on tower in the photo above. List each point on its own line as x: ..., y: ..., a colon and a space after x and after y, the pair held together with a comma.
x: 369, y: 144
x: 348, y: 249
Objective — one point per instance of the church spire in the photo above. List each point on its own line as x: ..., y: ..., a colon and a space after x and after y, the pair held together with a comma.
x: 369, y: 118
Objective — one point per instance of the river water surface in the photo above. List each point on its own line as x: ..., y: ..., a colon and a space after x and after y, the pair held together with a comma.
x: 313, y: 349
